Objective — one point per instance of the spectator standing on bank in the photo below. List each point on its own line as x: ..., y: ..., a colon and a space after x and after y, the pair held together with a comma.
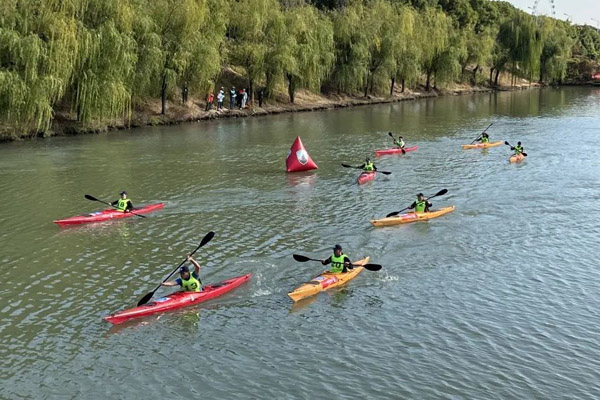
x: 220, y: 99
x: 232, y: 97
x: 209, y: 101
x: 244, y: 98
x: 261, y: 95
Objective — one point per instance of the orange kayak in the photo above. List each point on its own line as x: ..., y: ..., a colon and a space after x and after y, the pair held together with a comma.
x: 481, y: 145
x: 516, y: 158
x: 412, y: 217
x: 327, y: 281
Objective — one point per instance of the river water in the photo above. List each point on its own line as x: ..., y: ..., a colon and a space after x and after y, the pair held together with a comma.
x: 498, y: 299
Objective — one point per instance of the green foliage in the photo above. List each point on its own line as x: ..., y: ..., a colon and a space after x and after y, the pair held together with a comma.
x: 99, y: 58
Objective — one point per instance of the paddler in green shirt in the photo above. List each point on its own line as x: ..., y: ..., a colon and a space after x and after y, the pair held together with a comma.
x: 368, y: 166
x: 484, y: 138
x: 518, y: 149
x: 421, y: 204
x: 398, y: 142
x: 188, y: 282
x: 123, y: 204
x: 339, y: 261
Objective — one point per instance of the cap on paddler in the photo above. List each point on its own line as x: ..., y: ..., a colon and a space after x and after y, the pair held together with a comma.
x: 184, y: 269
x: 337, y: 247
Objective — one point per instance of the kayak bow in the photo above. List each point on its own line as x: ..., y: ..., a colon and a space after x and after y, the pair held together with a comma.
x: 365, y: 177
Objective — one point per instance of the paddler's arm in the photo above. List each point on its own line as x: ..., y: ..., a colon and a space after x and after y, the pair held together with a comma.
x: 196, y: 265
x: 171, y: 283
x: 413, y: 205
x: 327, y: 261
x: 129, y: 206
x: 348, y: 263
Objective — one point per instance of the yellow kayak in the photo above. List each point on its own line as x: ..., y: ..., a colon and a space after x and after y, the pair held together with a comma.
x: 516, y: 158
x: 326, y: 281
x: 412, y: 217
x: 481, y: 145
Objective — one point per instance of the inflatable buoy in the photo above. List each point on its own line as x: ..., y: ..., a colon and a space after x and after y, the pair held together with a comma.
x: 298, y: 158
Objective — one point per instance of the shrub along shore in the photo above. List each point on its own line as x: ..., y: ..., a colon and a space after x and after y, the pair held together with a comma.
x: 91, y: 65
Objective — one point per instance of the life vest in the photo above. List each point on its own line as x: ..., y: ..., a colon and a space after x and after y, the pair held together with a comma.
x: 400, y: 143
x: 420, y: 205
x: 337, y: 264
x: 518, y: 149
x: 369, y: 167
x: 122, y: 204
x: 191, y: 285
x: 484, y: 139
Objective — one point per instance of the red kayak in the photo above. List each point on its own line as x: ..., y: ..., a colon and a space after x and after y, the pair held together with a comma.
x: 365, y: 177
x: 394, y: 151
x: 105, y: 215
x: 177, y: 300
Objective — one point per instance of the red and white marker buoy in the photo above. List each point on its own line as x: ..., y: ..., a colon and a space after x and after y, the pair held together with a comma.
x: 298, y: 158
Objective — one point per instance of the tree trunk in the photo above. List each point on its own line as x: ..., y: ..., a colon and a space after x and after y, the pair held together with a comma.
x: 392, y: 86
x: 475, y: 74
x: 428, y: 80
x: 291, y: 86
x: 496, y: 77
x: 367, y: 86
x: 403, y: 81
x: 491, y: 75
x: 163, y: 95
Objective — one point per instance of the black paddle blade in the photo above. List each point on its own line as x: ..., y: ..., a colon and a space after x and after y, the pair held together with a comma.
x: 90, y: 197
x: 347, y: 166
x: 385, y: 172
x: 391, y: 135
x: 372, y: 267
x: 207, y: 238
x: 506, y: 143
x: 145, y: 299
x: 300, y: 258
x: 441, y: 192
x: 392, y: 214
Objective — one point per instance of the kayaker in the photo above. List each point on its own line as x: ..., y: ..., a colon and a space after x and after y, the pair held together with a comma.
x: 339, y: 261
x: 123, y: 204
x: 518, y: 149
x: 484, y: 138
x: 188, y: 282
x: 399, y: 142
x: 368, y: 166
x: 421, y: 204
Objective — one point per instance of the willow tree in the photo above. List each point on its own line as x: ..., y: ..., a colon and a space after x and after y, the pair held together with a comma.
x: 434, y: 35
x: 352, y: 42
x: 556, y: 50
x: 521, y: 39
x: 169, y: 34
x: 37, y: 43
x: 407, y: 51
x: 380, y: 23
x: 279, y: 42
x: 312, y: 49
x: 105, y: 62
x: 479, y: 48
x: 247, y: 26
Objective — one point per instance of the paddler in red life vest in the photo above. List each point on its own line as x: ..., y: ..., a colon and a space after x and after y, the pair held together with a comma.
x: 339, y: 261
x: 123, y: 204
x: 188, y: 282
x: 368, y: 166
x: 421, y: 204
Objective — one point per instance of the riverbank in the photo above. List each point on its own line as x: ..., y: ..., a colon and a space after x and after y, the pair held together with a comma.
x: 148, y: 112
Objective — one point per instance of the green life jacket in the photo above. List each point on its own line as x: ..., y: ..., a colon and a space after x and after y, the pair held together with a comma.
x: 420, y: 205
x: 337, y: 264
x: 518, y: 149
x: 485, y: 140
x: 191, y: 285
x: 400, y: 143
x: 369, y: 167
x: 122, y: 204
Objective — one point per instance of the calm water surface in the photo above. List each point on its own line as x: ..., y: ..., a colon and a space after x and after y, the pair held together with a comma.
x: 499, y: 299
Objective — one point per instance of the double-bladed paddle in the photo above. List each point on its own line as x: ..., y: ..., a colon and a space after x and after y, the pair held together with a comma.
x: 92, y: 198
x: 478, y: 137
x: 351, y: 166
x: 392, y: 136
x: 508, y: 144
x: 441, y: 192
x: 370, y: 267
x: 149, y: 295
